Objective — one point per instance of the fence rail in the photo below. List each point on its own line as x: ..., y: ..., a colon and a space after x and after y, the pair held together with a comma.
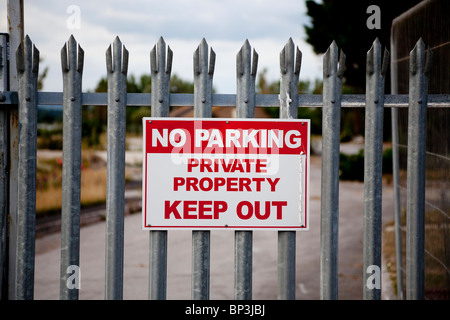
x: 245, y: 100
x: 46, y: 98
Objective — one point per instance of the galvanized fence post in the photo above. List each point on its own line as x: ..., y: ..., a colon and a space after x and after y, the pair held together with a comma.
x: 27, y: 58
x: 329, y: 221
x: 415, y: 214
x: 203, y: 76
x: 117, y: 68
x: 290, y: 62
x: 160, y: 75
x: 4, y: 157
x: 373, y: 157
x: 16, y: 36
x: 72, y: 70
x: 245, y: 108
x: 396, y: 171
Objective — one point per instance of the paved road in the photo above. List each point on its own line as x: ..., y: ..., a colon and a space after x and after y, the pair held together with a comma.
x: 92, y: 256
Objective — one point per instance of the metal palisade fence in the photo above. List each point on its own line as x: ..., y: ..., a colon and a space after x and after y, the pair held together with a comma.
x: 17, y: 254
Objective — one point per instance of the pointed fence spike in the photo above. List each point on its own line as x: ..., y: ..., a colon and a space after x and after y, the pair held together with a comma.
x: 246, y: 60
x: 161, y: 54
x: 117, y: 55
x: 162, y: 64
x: 283, y: 61
x: 203, y: 56
x: 386, y: 61
x: 254, y: 63
x: 416, y: 57
x: 370, y: 62
x: 289, y: 55
x: 109, y: 66
x: 420, y: 59
x: 239, y: 63
x: 80, y: 63
x: 161, y: 43
x: 203, y: 76
x: 160, y: 84
x: 413, y: 62
x: 35, y: 68
x: 72, y: 39
x: 169, y: 61
x: 341, y: 67
x: 197, y: 61
x: 117, y: 51
x: 298, y: 62
x: 290, y: 43
x: 326, y: 63
x: 212, y: 62
x: 428, y: 62
x: 246, y: 68
x: 125, y: 58
x: 377, y: 43
x: 374, y: 62
x: 153, y: 64
x: 420, y: 43
x: 28, y: 50
x: 330, y: 59
x: 72, y: 53
x: 290, y: 63
x: 27, y: 41
x: 64, y: 62
x: 19, y: 59
x: 23, y: 54
x: 376, y: 56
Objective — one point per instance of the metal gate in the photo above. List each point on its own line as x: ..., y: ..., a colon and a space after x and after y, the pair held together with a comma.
x: 20, y: 98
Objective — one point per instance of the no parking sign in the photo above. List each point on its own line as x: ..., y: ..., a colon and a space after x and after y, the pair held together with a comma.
x: 225, y: 173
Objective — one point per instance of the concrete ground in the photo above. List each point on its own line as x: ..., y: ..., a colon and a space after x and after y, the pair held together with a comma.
x: 136, y: 261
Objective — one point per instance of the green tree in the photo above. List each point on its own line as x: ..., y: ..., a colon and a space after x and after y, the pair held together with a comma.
x: 263, y: 86
x: 345, y: 21
x: 42, y: 75
x: 95, y: 119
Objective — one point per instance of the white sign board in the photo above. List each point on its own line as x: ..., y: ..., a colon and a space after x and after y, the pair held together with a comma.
x: 242, y: 174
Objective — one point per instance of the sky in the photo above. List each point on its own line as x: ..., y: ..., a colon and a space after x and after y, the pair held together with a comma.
x: 225, y: 24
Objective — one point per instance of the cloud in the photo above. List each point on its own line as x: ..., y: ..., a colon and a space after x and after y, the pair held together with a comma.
x: 194, y: 19
x: 267, y: 24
